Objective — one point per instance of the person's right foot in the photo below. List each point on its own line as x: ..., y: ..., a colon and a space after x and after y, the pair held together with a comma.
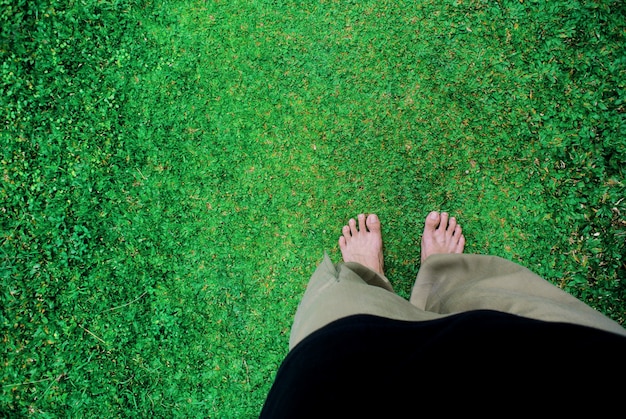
x: 442, y: 234
x: 364, y: 244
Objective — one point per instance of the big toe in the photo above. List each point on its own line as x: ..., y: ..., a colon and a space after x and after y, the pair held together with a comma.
x: 432, y: 222
x: 373, y: 223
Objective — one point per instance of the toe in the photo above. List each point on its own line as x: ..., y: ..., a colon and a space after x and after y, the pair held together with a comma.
x: 451, y: 226
x: 461, y: 245
x: 457, y: 231
x: 373, y: 223
x: 432, y: 221
x: 352, y: 227
x: 443, y: 223
x: 346, y: 232
x: 362, y: 226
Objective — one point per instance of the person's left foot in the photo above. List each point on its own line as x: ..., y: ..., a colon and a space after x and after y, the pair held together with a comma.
x: 364, y: 244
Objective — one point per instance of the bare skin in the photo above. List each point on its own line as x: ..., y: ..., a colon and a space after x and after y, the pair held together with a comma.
x: 363, y: 243
x: 442, y: 234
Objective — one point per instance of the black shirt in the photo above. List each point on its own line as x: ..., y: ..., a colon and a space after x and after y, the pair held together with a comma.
x: 484, y: 362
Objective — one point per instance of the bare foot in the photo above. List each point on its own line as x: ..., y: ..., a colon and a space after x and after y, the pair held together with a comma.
x: 442, y: 234
x: 365, y: 244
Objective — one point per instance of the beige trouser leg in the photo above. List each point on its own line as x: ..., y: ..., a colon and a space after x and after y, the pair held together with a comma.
x: 454, y: 283
x: 446, y: 284
x: 346, y: 289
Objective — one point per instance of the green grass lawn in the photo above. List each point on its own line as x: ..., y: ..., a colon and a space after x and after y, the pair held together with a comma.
x: 172, y: 173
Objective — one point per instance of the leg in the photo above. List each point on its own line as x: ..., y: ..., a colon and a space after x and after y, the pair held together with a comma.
x: 451, y: 283
x: 356, y: 286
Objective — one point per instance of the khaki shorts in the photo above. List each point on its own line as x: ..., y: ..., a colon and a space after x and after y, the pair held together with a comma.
x: 446, y: 284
